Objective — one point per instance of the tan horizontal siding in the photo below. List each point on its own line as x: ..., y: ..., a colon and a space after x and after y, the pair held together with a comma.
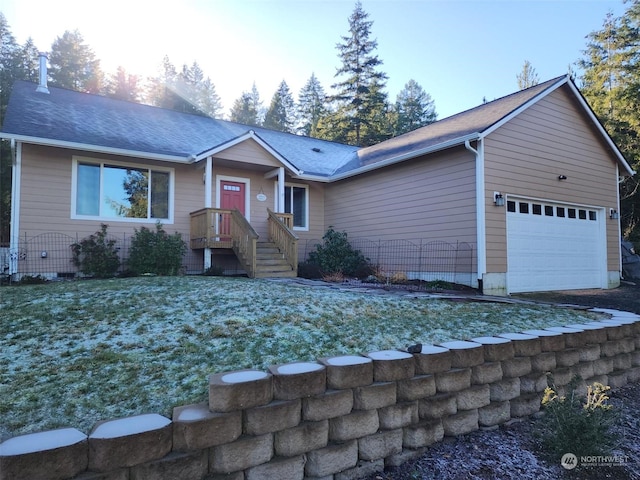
x: 48, y: 170
x: 249, y: 152
x: 427, y: 198
x: 525, y: 157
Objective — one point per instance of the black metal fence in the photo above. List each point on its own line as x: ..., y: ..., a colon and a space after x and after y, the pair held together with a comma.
x: 428, y: 260
x: 50, y: 254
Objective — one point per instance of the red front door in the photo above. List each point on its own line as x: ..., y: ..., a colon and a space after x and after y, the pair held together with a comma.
x: 232, y: 195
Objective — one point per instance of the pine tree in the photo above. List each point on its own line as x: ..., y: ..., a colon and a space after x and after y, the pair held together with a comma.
x: 123, y: 86
x: 528, y: 77
x: 414, y: 108
x: 311, y: 106
x: 73, y: 65
x: 360, y: 98
x: 611, y: 84
x: 243, y: 110
x: 281, y: 113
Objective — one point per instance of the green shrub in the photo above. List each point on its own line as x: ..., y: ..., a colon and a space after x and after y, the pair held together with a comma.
x: 571, y: 426
x: 156, y: 252
x: 336, y: 255
x: 96, y: 255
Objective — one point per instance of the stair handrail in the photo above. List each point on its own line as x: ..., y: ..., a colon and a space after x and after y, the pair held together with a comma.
x: 244, y: 241
x: 283, y: 237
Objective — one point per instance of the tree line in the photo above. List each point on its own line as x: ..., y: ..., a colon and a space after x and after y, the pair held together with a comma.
x: 357, y: 111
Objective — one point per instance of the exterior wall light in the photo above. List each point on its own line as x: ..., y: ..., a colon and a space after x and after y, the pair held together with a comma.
x: 613, y: 214
x: 498, y: 199
x: 562, y: 177
x: 44, y: 254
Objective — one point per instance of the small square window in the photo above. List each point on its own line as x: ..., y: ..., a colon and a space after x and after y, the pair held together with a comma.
x: 572, y: 212
x: 524, y: 207
x: 536, y: 209
x: 559, y: 212
x: 592, y: 215
x: 511, y: 206
x: 582, y: 214
x: 548, y: 211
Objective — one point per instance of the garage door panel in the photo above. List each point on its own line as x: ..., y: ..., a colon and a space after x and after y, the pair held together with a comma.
x: 551, y: 252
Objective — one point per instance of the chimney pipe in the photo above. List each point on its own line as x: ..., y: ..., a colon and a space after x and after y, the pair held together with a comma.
x: 42, y: 86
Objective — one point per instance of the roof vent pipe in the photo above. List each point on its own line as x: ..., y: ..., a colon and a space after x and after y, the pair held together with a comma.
x: 42, y: 86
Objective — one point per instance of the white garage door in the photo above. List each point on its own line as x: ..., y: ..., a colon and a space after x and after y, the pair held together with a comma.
x: 552, y: 246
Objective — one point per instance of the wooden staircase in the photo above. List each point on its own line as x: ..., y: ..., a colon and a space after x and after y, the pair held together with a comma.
x: 270, y: 262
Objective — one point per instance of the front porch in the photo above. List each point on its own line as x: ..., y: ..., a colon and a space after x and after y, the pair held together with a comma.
x: 217, y: 228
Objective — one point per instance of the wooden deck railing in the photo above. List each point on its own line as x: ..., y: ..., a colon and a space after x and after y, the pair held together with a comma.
x: 211, y: 228
x: 244, y: 241
x: 280, y: 233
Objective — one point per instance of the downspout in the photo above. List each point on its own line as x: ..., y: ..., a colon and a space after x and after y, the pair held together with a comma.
x: 481, y: 237
x: 14, y: 229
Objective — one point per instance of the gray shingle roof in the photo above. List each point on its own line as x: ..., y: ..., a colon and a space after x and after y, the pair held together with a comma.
x: 80, y: 119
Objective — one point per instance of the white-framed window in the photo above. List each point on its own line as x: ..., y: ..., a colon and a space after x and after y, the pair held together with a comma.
x: 103, y: 190
x: 296, y: 201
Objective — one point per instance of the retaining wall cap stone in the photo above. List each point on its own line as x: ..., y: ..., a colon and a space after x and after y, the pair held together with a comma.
x: 620, y: 320
x: 586, y: 326
x: 347, y: 360
x: 41, y: 441
x: 615, y: 313
x: 518, y: 336
x: 460, y: 345
x: 129, y: 426
x: 193, y: 413
x: 296, y: 368
x: 564, y: 330
x: 389, y: 355
x: 542, y: 333
x: 431, y: 349
x: 242, y: 376
x: 490, y: 340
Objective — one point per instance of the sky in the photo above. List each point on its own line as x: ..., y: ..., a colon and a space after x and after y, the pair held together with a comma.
x: 460, y: 51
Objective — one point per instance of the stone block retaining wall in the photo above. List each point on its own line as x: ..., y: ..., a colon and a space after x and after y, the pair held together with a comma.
x: 340, y: 418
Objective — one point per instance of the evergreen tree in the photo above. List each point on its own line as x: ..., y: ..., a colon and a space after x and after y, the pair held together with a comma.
x: 124, y: 86
x: 611, y: 84
x: 281, y: 113
x: 17, y: 62
x: 73, y: 65
x: 360, y: 98
x: 528, y: 76
x: 243, y: 110
x: 311, y: 106
x: 414, y: 108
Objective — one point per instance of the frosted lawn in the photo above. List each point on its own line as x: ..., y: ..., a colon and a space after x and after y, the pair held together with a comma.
x: 74, y: 353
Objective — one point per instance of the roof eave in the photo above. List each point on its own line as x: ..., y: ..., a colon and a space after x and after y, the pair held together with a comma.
x: 95, y: 148
x: 406, y: 156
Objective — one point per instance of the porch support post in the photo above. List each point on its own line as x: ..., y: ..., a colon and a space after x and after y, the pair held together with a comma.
x: 208, y: 202
x: 281, y: 190
x: 14, y: 228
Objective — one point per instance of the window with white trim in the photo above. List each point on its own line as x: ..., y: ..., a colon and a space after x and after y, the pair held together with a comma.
x: 296, y: 201
x: 107, y: 190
